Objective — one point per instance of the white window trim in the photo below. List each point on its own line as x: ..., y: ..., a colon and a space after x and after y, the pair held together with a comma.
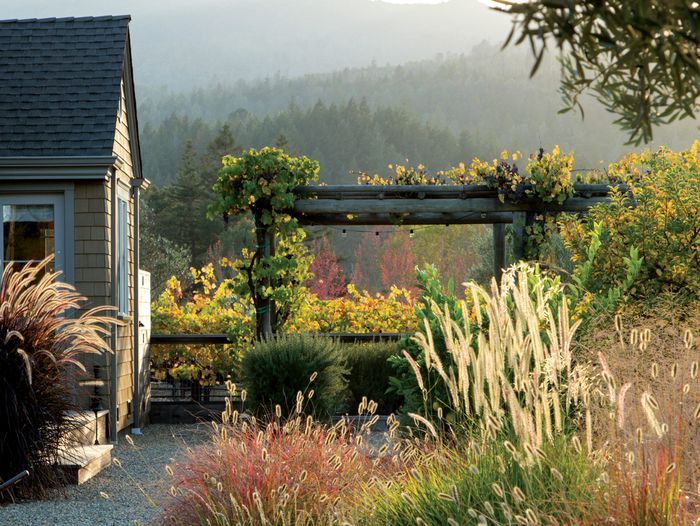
x: 58, y: 201
x: 122, y: 239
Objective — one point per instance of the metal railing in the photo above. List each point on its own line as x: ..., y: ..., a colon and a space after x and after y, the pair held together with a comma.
x: 14, y: 480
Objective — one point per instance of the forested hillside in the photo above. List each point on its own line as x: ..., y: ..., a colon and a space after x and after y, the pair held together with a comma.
x: 435, y: 111
x: 342, y: 136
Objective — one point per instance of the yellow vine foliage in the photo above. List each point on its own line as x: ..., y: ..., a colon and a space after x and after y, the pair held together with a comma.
x: 209, y: 310
x: 358, y: 311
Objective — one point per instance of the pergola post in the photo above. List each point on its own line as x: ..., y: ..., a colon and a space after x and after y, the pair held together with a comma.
x: 519, y: 220
x: 270, y: 248
x: 499, y: 251
x: 264, y: 239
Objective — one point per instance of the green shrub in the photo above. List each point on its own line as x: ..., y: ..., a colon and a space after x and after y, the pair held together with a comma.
x: 40, y: 345
x: 403, y: 381
x: 659, y: 217
x: 370, y: 370
x: 275, y: 370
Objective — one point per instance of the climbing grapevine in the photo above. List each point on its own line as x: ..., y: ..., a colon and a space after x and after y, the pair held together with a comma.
x: 261, y: 182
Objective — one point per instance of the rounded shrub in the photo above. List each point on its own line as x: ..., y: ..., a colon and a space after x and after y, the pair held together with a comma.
x: 370, y: 371
x: 276, y: 369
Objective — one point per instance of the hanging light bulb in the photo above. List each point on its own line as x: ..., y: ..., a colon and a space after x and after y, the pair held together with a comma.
x: 344, y: 233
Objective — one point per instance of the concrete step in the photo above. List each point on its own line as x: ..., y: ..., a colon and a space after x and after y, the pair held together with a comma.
x: 81, y: 463
x: 86, y: 428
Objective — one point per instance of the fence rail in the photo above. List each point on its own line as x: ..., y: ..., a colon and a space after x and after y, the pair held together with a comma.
x: 222, y: 339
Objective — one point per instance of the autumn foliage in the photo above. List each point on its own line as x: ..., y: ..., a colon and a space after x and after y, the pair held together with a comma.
x: 328, y: 277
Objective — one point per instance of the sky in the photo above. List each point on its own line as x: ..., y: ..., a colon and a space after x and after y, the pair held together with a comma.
x: 180, y: 44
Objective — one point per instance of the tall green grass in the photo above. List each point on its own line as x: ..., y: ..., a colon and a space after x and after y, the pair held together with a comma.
x: 484, y: 483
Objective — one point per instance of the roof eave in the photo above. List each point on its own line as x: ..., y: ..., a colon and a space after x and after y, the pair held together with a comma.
x: 59, y: 168
x: 131, y: 109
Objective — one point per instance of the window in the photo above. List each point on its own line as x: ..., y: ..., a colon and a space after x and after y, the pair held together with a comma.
x: 122, y: 256
x: 32, y: 229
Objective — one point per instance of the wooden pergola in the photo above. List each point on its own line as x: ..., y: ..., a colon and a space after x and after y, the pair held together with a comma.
x: 362, y: 205
x: 348, y: 205
x: 436, y: 205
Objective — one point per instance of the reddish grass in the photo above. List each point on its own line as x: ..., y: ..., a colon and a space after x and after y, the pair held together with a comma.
x: 654, y: 474
x: 297, y: 472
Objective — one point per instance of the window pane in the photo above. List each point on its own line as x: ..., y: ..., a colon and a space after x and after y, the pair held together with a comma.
x: 28, y: 232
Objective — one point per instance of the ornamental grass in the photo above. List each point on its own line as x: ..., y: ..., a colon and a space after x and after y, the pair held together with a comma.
x: 285, y: 471
x: 41, y: 343
x: 647, y: 426
x: 531, y: 431
x: 509, y: 367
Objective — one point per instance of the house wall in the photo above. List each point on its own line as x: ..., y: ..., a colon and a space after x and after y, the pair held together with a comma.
x: 125, y: 338
x: 93, y: 265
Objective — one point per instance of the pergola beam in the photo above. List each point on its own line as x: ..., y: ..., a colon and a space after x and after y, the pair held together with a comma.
x: 341, y: 192
x: 475, y: 205
x: 348, y: 205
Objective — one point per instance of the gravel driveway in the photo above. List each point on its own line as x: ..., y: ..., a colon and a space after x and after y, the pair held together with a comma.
x: 142, y: 464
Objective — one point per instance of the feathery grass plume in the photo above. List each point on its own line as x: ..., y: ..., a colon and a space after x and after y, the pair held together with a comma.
x: 688, y: 339
x: 649, y: 405
x: 620, y: 404
x: 41, y: 345
x: 425, y: 422
x: 516, y: 373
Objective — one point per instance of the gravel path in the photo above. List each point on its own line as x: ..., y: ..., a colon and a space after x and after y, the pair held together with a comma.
x: 85, y: 505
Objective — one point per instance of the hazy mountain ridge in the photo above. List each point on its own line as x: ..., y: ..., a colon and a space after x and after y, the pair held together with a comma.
x: 247, y: 39
x: 485, y: 99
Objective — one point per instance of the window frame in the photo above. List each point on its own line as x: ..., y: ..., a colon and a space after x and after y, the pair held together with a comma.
x: 57, y: 200
x: 122, y: 253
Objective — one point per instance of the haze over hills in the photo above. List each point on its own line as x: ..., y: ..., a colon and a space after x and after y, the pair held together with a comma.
x: 438, y: 112
x: 181, y: 44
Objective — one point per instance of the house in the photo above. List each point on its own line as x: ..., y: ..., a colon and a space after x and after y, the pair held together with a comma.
x: 70, y: 177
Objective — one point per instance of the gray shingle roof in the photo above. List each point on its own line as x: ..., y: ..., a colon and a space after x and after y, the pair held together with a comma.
x: 60, y: 85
